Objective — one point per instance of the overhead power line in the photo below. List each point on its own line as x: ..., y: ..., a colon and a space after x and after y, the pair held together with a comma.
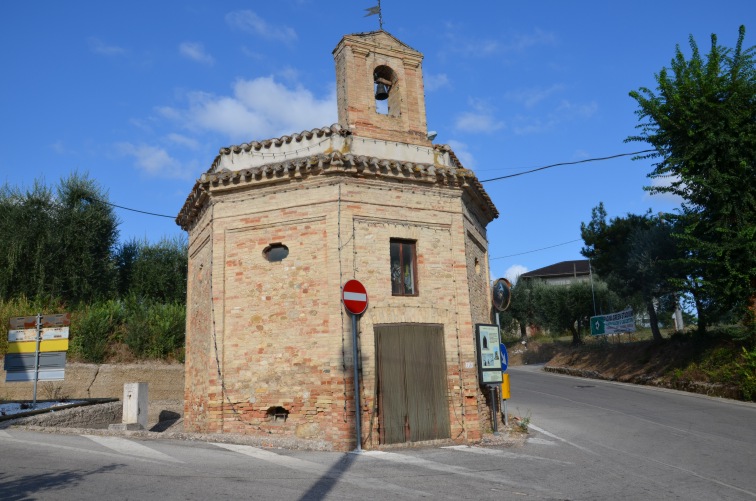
x: 586, y: 160
x: 536, y: 250
x: 130, y: 209
x: 482, y: 181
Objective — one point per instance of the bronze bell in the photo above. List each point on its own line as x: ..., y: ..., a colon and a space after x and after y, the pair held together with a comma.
x: 381, y: 91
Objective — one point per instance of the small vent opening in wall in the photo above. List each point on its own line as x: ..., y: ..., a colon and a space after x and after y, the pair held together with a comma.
x: 277, y: 414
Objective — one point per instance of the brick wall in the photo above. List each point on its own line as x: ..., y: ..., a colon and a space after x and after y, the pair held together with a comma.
x: 200, y: 354
x: 283, y: 337
x: 356, y: 57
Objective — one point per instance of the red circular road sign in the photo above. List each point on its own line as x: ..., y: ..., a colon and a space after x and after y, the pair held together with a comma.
x: 354, y: 296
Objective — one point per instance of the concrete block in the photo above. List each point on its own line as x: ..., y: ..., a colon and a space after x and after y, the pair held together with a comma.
x: 135, y: 406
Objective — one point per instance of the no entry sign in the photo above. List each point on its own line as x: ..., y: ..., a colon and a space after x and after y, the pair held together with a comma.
x: 354, y: 296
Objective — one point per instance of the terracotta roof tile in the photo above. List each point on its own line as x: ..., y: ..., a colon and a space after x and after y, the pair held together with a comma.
x: 333, y: 163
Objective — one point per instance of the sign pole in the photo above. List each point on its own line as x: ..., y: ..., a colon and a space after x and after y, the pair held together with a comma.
x: 355, y: 299
x: 494, y: 398
x: 357, y: 413
x: 36, y: 359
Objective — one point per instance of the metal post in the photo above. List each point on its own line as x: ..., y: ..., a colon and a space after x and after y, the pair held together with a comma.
x: 494, y: 398
x: 357, y: 411
x: 36, y: 359
x: 593, y: 291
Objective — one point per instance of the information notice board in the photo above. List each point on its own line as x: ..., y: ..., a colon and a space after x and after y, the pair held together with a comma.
x: 489, y: 353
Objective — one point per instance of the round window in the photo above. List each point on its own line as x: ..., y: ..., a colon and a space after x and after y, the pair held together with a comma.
x: 276, y: 252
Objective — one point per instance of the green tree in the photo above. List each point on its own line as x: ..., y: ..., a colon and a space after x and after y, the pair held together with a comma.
x: 27, y: 221
x: 701, y: 121
x: 523, y: 306
x: 566, y: 308
x: 86, y: 233
x: 558, y: 308
x: 636, y: 255
x: 156, y: 271
x: 57, y: 245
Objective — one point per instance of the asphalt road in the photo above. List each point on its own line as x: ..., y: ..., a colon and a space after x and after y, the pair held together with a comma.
x: 638, y: 442
x: 589, y: 440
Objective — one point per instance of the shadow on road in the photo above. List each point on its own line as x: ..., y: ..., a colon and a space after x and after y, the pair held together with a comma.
x: 25, y: 487
x: 322, y: 487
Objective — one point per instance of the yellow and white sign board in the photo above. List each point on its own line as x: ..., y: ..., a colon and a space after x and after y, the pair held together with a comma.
x: 44, y: 346
x: 48, y: 333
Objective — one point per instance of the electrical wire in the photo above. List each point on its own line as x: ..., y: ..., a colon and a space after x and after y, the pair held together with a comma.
x: 90, y: 199
x: 536, y: 250
x: 597, y: 159
x: 586, y: 160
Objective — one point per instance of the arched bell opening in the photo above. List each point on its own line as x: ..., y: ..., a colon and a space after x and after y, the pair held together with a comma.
x: 387, y: 99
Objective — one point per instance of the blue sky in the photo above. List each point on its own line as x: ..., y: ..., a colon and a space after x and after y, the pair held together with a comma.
x: 141, y: 95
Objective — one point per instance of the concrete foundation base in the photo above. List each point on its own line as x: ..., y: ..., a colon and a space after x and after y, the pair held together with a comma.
x: 126, y: 427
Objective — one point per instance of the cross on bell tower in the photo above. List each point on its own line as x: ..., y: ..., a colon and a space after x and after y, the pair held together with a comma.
x: 372, y: 67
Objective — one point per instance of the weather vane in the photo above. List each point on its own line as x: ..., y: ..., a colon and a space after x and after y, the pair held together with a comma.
x: 371, y: 11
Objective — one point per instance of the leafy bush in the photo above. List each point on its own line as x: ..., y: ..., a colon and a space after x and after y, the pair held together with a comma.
x: 747, y: 373
x: 95, y: 329
x: 154, y: 330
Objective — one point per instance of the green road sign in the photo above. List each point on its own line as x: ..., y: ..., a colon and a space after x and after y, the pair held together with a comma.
x: 597, y: 325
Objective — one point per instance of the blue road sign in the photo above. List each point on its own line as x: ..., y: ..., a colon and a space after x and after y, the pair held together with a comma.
x: 504, y: 357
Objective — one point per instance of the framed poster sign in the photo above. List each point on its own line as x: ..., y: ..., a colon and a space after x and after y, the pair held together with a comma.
x: 489, y: 353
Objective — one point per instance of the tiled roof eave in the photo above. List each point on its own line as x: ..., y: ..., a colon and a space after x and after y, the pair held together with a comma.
x: 329, y: 164
x: 275, y: 143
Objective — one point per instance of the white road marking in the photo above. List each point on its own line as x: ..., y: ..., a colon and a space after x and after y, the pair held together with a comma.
x: 541, y: 430
x: 73, y: 449
x: 540, y: 441
x: 319, y: 469
x: 501, y: 453
x: 445, y: 468
x: 5, y: 434
x: 131, y: 448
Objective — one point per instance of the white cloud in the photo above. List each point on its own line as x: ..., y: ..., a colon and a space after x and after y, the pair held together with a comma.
x: 99, y: 47
x: 252, y: 54
x: 523, y: 126
x: 463, y: 154
x: 60, y: 148
x: 480, y: 119
x: 478, y: 47
x: 259, y: 108
x: 531, y: 97
x: 288, y: 73
x: 538, y: 37
x: 196, y: 52
x: 182, y: 140
x: 246, y: 20
x: 566, y: 111
x: 154, y: 160
x: 513, y: 272
x: 169, y: 113
x: 435, y: 81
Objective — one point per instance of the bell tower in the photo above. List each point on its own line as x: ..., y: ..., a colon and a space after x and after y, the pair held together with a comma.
x: 375, y: 67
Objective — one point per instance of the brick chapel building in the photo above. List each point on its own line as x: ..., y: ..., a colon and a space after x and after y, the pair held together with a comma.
x: 276, y: 227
